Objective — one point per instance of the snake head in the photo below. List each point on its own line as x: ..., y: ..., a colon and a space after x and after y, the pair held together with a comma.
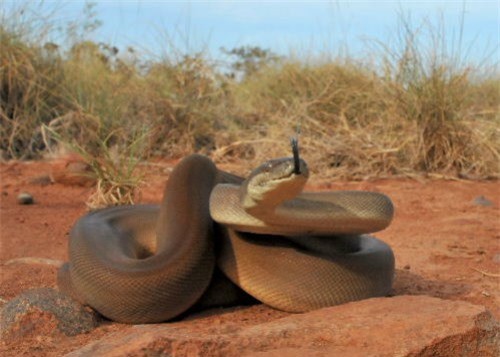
x: 274, y: 182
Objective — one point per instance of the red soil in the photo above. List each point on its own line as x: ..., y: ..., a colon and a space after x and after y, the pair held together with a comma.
x: 446, y: 244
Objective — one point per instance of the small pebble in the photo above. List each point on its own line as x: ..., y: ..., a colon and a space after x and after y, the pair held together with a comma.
x: 25, y: 198
x: 482, y: 201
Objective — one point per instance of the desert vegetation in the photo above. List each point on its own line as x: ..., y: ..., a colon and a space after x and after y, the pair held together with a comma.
x: 413, y: 108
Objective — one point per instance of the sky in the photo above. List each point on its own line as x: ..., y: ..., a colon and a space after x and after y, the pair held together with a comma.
x: 305, y: 28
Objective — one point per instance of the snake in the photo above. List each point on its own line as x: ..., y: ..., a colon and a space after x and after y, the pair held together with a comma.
x: 295, y: 251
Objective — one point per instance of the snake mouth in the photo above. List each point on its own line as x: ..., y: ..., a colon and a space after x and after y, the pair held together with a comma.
x: 296, y: 157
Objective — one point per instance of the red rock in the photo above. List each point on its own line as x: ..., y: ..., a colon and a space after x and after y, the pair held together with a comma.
x: 398, y: 326
x: 43, y: 312
x: 72, y: 170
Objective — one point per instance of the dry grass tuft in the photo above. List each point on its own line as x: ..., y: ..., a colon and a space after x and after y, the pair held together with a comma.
x: 420, y: 111
x: 113, y: 167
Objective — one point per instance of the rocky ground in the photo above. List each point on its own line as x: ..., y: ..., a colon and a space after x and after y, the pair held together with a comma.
x: 445, y: 301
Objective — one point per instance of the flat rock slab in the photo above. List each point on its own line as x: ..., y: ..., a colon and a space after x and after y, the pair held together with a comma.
x: 397, y: 326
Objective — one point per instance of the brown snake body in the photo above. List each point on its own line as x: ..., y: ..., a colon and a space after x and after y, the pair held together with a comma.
x: 293, y: 251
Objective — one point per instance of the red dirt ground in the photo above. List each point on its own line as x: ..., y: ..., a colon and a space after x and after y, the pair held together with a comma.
x: 446, y: 245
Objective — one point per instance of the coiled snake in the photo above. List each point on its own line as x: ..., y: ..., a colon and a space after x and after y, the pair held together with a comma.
x: 293, y: 251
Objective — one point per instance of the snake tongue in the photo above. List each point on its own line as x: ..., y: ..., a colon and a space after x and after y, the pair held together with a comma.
x: 296, y: 158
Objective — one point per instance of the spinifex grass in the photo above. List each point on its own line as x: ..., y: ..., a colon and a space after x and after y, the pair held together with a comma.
x: 415, y: 109
x: 114, y: 167
x: 432, y: 88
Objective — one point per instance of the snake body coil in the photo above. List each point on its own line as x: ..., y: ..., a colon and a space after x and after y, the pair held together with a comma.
x: 293, y: 251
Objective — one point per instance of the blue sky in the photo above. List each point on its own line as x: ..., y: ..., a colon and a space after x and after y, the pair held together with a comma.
x: 304, y: 27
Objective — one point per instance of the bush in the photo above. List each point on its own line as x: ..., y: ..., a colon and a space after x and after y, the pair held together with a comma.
x: 420, y: 110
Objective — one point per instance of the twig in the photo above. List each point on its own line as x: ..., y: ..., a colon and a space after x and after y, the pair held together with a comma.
x: 35, y: 260
x: 493, y: 275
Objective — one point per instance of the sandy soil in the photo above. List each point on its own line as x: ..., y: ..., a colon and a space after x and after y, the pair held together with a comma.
x: 445, y: 238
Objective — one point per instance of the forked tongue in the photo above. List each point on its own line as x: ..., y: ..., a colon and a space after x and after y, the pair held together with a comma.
x: 296, y: 158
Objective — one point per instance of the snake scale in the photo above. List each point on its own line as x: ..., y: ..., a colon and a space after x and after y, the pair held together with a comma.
x: 295, y: 251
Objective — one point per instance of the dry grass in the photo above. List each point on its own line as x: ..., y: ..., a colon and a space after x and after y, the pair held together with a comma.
x: 114, y: 168
x: 420, y: 111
